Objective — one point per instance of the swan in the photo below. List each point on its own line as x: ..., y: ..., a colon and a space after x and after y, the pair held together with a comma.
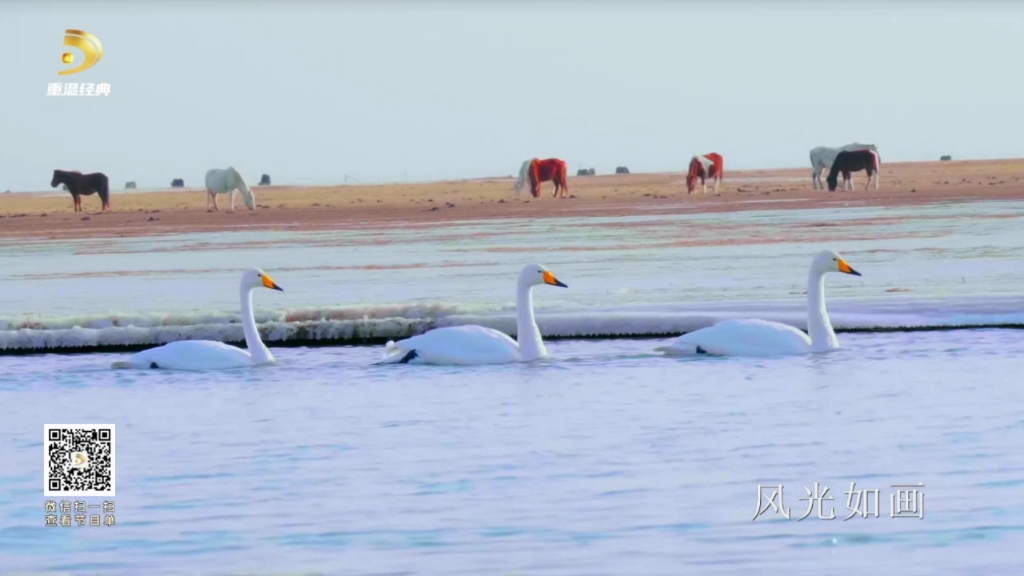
x: 474, y: 345
x: 209, y: 354
x: 763, y: 338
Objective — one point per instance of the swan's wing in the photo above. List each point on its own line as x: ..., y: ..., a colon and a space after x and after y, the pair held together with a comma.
x: 189, y: 355
x: 461, y: 345
x: 741, y: 338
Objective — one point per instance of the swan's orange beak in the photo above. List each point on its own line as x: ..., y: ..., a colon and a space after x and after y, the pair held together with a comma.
x: 268, y: 282
x: 845, y: 268
x: 549, y: 278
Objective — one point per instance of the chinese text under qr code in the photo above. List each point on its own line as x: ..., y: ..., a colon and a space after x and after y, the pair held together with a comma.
x: 78, y: 460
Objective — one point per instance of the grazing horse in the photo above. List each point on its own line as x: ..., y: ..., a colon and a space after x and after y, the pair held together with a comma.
x: 79, y: 185
x: 537, y: 171
x: 822, y: 157
x: 854, y: 161
x: 707, y: 166
x: 224, y: 180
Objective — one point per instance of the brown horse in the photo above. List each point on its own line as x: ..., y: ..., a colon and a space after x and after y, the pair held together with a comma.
x: 83, y: 185
x: 538, y: 171
x: 706, y: 166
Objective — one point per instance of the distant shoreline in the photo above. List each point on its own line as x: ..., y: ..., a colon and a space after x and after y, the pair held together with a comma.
x: 49, y: 215
x: 252, y: 178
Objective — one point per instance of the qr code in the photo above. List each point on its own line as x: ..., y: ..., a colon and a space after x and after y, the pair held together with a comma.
x: 78, y: 460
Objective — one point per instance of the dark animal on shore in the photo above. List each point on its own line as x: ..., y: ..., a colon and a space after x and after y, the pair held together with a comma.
x: 177, y: 183
x: 265, y: 180
x: 622, y: 170
x: 79, y: 185
x: 854, y: 161
x: 129, y: 185
x: 822, y: 157
x: 945, y: 158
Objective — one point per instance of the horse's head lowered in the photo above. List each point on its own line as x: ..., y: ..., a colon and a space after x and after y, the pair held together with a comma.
x: 833, y: 181
x: 696, y: 171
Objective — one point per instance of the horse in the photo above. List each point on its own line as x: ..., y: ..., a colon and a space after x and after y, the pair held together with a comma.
x: 79, y: 185
x: 854, y: 161
x: 537, y: 171
x: 823, y: 156
x: 710, y: 165
x: 224, y: 180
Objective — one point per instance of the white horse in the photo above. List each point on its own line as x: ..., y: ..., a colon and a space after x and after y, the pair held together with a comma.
x: 524, y: 175
x: 224, y: 180
x: 823, y: 157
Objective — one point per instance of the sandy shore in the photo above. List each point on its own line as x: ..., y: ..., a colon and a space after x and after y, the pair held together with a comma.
x: 46, y: 216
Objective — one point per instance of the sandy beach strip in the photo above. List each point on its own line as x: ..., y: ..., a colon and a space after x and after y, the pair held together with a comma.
x: 50, y: 215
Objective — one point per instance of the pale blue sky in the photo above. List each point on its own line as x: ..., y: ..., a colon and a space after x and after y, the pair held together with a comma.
x: 384, y: 91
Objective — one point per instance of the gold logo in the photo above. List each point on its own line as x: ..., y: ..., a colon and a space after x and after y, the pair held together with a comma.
x: 81, y: 460
x: 88, y: 44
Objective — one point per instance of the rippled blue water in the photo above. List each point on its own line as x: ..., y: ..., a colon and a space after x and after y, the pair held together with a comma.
x: 606, y: 459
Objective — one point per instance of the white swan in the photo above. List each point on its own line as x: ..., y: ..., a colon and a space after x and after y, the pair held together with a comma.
x: 763, y: 338
x: 209, y: 354
x: 474, y: 345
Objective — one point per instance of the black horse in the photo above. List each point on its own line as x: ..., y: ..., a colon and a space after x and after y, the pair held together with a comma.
x: 83, y: 185
x: 853, y: 161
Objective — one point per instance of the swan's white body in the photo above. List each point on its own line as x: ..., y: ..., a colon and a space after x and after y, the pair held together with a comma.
x: 476, y: 345
x: 223, y: 181
x: 764, y: 338
x: 209, y: 354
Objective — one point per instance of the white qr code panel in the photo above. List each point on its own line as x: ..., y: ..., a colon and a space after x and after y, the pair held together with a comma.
x: 78, y: 460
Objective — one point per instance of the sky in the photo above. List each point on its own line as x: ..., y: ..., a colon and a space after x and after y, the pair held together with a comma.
x: 312, y: 92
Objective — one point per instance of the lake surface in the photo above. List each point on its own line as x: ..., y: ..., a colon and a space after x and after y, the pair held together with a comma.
x: 605, y: 459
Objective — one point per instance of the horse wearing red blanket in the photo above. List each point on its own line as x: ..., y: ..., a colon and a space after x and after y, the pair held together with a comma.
x: 537, y: 171
x: 705, y: 166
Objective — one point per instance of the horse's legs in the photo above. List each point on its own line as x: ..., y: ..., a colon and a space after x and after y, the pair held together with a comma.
x: 232, y: 209
x: 215, y: 205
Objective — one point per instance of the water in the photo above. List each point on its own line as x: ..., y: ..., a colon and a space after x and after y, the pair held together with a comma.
x: 922, y: 266
x: 606, y: 459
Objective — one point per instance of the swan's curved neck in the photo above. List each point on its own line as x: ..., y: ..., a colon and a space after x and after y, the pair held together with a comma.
x: 531, y: 346
x: 260, y: 354
x: 819, y: 326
